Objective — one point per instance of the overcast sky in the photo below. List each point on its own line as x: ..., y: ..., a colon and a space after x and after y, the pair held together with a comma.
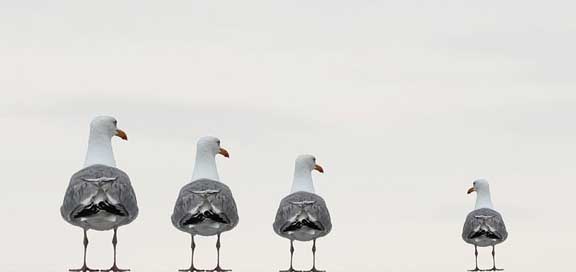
x: 404, y: 104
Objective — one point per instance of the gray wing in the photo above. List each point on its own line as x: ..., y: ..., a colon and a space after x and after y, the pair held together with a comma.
x: 302, y: 208
x: 197, y: 193
x: 121, y: 193
x: 85, y: 185
x: 484, y: 227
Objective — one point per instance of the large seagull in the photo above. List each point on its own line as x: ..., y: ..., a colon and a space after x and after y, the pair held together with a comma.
x: 100, y: 196
x: 484, y: 226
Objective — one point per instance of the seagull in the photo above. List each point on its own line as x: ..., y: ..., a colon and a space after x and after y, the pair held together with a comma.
x: 484, y: 226
x: 205, y: 206
x: 100, y: 196
x: 303, y: 215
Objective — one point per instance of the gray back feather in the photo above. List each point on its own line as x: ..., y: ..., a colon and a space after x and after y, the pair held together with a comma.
x: 486, y: 217
x: 82, y: 187
x: 289, y: 209
x: 189, y: 198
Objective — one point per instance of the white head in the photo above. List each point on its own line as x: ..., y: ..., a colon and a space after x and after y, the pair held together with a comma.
x: 102, y: 129
x: 482, y: 189
x: 307, y: 163
x: 479, y: 186
x: 106, y: 126
x: 304, y: 166
x: 206, y: 150
x: 210, y: 146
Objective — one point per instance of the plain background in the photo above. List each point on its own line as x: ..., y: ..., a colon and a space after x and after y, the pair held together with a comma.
x: 404, y: 103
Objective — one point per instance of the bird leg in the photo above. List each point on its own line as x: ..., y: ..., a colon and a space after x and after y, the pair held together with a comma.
x: 291, y: 269
x: 218, y: 268
x: 494, y: 261
x: 475, y: 254
x: 115, y: 268
x: 192, y: 268
x: 314, y: 258
x: 84, y: 267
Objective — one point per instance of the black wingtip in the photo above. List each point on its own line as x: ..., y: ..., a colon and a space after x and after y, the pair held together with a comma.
x: 216, y: 217
x: 312, y: 225
x: 484, y: 233
x: 294, y: 226
x: 113, y: 209
x: 200, y: 217
x: 193, y: 219
x: 86, y: 211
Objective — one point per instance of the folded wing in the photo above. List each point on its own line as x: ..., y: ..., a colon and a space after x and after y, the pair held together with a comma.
x: 302, y: 216
x: 97, y: 189
x: 205, y: 207
x: 484, y: 227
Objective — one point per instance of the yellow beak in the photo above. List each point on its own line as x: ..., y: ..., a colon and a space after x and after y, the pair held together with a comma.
x: 224, y: 153
x: 120, y: 133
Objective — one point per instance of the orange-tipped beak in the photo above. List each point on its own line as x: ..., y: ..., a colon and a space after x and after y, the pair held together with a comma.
x: 318, y: 168
x: 120, y: 133
x: 471, y: 190
x: 224, y: 153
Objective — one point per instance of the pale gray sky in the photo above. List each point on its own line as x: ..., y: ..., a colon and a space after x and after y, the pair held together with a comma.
x: 403, y: 103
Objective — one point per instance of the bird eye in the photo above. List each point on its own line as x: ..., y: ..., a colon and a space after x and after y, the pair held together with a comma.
x: 115, y: 122
x: 218, y: 142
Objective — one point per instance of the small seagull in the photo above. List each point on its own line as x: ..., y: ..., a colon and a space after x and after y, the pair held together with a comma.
x: 303, y: 215
x: 484, y: 226
x: 100, y: 196
x: 205, y: 206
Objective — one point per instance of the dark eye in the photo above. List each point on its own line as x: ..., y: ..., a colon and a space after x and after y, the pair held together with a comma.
x: 218, y: 142
x: 115, y: 122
